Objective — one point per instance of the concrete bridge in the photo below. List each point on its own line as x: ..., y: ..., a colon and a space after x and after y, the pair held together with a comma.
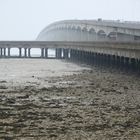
x: 109, y: 43
x: 117, y: 54
x: 91, y: 30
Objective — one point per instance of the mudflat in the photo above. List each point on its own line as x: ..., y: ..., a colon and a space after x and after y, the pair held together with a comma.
x: 56, y: 100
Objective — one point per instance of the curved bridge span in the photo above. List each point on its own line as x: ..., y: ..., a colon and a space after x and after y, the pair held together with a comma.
x: 118, y: 54
x: 90, y: 30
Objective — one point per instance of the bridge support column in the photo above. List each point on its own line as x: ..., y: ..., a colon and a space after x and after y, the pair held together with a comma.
x: 29, y: 52
x: 4, y: 49
x: 97, y: 59
x: 25, y: 52
x: 137, y: 68
x: 89, y: 58
x: 122, y: 63
x: 0, y: 52
x: 20, y: 52
x: 42, y: 52
x: 66, y: 53
x: 100, y: 59
x: 58, y: 53
x: 118, y: 62
x: 72, y: 55
x: 46, y: 52
x: 138, y: 63
x: 113, y: 61
x: 92, y: 58
x: 82, y: 56
x: 126, y: 63
x: 77, y: 56
x: 9, y: 52
x: 133, y: 64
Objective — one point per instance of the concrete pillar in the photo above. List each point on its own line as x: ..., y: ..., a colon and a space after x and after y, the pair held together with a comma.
x: 85, y: 57
x: 46, y: 52
x: 9, y: 52
x: 74, y: 55
x: 4, y: 53
x: 0, y: 52
x: 113, y: 61
x: 58, y: 53
x: 126, y: 63
x: 136, y: 60
x: 105, y: 60
x: 122, y: 63
x: 66, y: 53
x: 95, y: 59
x: 90, y: 58
x: 25, y: 52
x: 118, y: 62
x: 42, y: 52
x: 20, y: 53
x: 29, y: 52
x: 101, y: 59
x: 78, y: 56
x: 138, y: 65
x: 133, y: 64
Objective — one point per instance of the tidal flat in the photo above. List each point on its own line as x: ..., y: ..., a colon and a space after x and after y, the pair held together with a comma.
x: 58, y: 100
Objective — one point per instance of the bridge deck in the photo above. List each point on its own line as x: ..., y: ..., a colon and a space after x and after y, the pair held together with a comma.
x: 120, y: 54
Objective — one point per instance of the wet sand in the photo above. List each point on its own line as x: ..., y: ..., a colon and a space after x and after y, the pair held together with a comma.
x: 39, y: 101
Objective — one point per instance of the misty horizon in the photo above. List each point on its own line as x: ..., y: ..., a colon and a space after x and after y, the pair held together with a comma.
x: 24, y: 20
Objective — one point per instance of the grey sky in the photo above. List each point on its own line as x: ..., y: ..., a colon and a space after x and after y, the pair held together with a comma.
x: 24, y: 19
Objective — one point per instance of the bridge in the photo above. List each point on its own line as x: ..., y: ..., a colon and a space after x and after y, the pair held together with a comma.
x: 117, y: 54
x: 91, y: 30
x: 109, y: 43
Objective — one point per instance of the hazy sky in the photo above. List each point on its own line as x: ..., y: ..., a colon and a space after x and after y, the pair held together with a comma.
x: 24, y: 19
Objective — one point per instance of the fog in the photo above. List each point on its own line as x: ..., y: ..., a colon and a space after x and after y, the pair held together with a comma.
x: 24, y: 19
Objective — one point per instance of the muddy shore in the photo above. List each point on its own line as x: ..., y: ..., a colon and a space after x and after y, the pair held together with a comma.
x: 67, y: 102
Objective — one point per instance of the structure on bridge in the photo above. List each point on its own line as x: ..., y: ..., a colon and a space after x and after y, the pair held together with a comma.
x: 91, y: 30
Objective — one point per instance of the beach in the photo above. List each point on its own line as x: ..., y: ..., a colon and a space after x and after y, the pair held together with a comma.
x: 58, y: 100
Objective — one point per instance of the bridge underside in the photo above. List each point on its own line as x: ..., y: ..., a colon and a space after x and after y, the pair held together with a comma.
x: 118, y: 55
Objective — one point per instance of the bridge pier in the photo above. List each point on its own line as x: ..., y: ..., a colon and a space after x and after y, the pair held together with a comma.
x: 113, y: 61
x: 29, y: 52
x: 42, y: 53
x: 9, y: 52
x: 25, y: 52
x: 58, y: 53
x: 126, y: 64
x: 78, y: 55
x: 72, y: 55
x: 46, y: 52
x: 4, y: 49
x: 0, y: 52
x: 20, y: 52
x: 65, y: 53
x: 133, y: 64
x: 138, y: 63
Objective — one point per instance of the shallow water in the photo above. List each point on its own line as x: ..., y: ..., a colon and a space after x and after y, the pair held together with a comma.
x: 23, y: 71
